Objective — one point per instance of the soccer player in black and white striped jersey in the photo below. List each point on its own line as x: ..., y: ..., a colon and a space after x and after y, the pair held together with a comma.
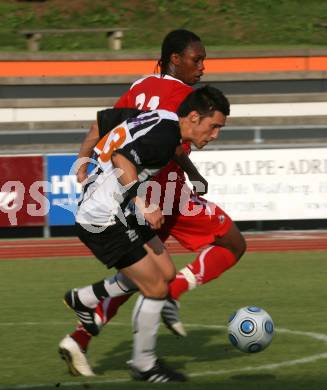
x: 106, y: 223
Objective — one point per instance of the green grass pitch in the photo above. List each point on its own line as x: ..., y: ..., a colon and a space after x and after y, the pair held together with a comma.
x: 290, y: 286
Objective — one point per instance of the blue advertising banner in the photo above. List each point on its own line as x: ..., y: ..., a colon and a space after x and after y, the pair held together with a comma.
x: 64, y: 190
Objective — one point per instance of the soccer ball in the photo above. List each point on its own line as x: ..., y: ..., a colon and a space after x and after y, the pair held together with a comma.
x: 250, y: 329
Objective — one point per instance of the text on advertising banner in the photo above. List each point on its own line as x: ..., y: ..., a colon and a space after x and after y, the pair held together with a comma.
x: 270, y: 184
x: 65, y: 190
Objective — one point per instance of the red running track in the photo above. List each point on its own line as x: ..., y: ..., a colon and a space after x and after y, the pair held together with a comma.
x: 66, y: 247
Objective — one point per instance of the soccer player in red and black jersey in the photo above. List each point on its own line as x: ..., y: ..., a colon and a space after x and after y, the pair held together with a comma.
x: 211, y: 230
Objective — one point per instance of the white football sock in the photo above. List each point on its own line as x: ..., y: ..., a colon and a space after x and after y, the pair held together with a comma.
x: 146, y: 321
x: 119, y: 285
x: 87, y: 297
x: 115, y: 286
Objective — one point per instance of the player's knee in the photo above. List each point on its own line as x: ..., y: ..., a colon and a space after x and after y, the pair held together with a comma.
x: 240, y: 247
x: 236, y: 242
x: 170, y: 273
x: 158, y: 290
x: 167, y: 268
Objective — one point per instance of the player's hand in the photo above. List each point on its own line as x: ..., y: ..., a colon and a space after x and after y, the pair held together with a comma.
x: 155, y: 218
x: 81, y: 174
x: 151, y: 212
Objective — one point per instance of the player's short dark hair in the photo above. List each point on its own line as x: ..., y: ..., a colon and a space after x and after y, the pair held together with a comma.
x: 205, y: 101
x: 175, y: 42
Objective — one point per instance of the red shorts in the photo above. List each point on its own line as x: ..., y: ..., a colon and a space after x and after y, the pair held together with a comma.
x: 198, y: 230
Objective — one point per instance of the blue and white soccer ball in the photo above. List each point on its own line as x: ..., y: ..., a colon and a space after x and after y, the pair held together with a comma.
x: 250, y: 329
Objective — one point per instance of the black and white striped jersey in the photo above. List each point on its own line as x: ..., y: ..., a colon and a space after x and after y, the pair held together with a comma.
x: 148, y: 140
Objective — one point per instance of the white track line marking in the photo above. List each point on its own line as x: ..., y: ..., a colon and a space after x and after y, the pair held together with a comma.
x: 273, y: 366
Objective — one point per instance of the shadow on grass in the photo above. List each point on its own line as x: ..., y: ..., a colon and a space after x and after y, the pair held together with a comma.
x: 198, y: 346
x: 204, y: 346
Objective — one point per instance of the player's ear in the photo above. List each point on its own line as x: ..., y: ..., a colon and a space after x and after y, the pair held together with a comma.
x: 194, y: 116
x: 175, y: 59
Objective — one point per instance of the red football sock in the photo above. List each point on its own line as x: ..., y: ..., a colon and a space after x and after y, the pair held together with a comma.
x: 110, y: 306
x: 208, y: 265
x: 106, y: 310
x: 81, y: 337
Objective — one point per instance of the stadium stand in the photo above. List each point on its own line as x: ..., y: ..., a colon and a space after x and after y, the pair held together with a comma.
x: 275, y: 109
x: 114, y: 35
x: 257, y: 120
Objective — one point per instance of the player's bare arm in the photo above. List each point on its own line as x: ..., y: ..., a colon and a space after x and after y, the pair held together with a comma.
x: 200, y: 184
x: 127, y: 179
x: 86, y: 150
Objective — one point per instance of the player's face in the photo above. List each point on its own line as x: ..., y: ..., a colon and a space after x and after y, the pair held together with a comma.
x: 189, y: 65
x: 207, y: 129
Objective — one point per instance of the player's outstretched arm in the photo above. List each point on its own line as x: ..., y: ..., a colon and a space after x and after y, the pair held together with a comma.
x: 200, y: 184
x: 86, y: 150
